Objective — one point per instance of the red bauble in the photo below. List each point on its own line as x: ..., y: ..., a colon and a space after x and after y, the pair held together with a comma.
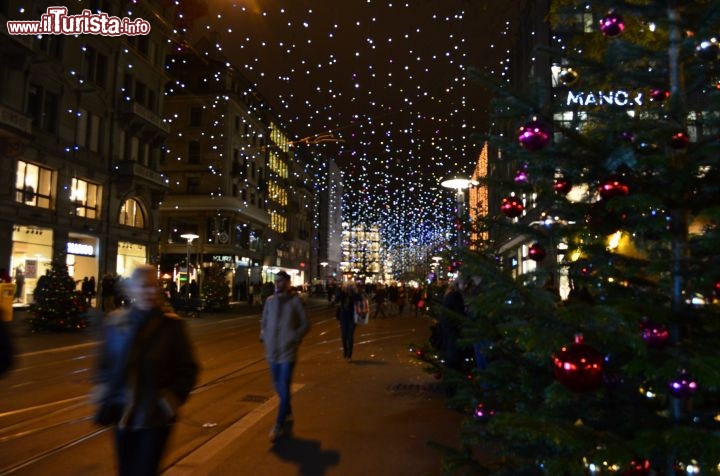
x: 534, y: 135
x: 659, y: 95
x: 536, y: 252
x: 637, y: 467
x: 512, y: 207
x: 679, y: 140
x: 612, y: 25
x: 578, y: 366
x: 613, y: 187
x: 683, y: 386
x: 655, y: 335
x: 562, y: 186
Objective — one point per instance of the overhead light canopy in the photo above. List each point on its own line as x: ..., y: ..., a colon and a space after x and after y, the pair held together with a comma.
x: 189, y: 236
x: 458, y: 183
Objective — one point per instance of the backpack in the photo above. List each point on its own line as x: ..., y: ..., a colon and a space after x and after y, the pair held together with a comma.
x: 362, y: 310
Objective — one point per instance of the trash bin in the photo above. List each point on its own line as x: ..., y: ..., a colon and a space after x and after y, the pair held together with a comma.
x: 7, y: 295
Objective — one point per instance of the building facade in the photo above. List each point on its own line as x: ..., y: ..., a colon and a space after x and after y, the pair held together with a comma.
x: 80, y: 141
x: 232, y: 178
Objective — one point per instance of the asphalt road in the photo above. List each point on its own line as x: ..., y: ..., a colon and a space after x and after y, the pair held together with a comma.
x: 45, y: 425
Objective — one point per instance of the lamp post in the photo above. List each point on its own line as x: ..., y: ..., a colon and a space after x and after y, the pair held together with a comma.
x: 189, y: 237
x: 459, y: 184
x: 324, y: 265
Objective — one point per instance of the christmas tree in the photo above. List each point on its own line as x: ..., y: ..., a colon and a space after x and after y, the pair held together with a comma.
x: 57, y: 305
x: 216, y: 289
x: 601, y: 357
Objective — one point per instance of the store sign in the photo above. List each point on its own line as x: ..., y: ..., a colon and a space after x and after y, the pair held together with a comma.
x: 601, y: 98
x: 223, y: 258
x: 80, y: 249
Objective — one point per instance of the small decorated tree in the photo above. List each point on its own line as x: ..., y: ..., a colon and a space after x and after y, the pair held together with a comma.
x: 57, y: 305
x: 216, y: 289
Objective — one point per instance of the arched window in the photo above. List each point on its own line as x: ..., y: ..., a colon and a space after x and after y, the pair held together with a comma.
x: 131, y: 214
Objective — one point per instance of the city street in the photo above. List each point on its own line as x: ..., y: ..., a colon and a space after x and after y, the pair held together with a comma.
x: 372, y: 416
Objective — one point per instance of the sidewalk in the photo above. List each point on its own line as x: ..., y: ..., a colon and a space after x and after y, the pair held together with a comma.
x: 373, y: 416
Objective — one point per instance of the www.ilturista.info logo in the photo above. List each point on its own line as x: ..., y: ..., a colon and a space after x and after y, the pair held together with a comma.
x: 57, y: 22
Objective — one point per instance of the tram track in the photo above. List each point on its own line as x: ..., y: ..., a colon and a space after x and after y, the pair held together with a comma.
x: 246, y: 374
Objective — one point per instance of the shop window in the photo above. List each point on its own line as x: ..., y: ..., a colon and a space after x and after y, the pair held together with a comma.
x: 131, y: 214
x: 86, y: 197
x: 34, y: 185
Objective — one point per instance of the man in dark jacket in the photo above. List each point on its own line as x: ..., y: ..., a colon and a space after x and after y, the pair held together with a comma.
x: 147, y: 370
x: 284, y: 324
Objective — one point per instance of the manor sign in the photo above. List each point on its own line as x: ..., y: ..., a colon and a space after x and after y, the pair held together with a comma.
x: 601, y: 98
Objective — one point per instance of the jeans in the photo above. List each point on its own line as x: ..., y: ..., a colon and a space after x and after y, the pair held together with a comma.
x: 139, y: 451
x: 282, y: 379
x: 347, y: 333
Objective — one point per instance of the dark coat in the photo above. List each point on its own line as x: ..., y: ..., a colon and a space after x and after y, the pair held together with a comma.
x: 147, y: 369
x: 347, y: 301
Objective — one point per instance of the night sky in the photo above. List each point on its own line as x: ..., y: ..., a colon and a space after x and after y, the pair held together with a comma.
x: 387, y: 78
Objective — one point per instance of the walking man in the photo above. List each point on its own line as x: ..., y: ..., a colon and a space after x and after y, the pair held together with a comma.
x: 283, y: 326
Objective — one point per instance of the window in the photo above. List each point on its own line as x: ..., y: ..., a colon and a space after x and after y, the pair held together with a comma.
x: 34, y: 185
x: 140, y: 92
x: 193, y: 185
x: 195, y: 116
x: 51, y: 45
x: 194, y: 152
x: 94, y: 67
x: 131, y: 214
x: 151, y: 100
x: 86, y: 197
x: 237, y: 122
x: 42, y: 106
x: 278, y: 222
x: 88, y: 130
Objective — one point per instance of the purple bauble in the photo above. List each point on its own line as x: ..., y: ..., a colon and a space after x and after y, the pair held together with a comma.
x: 628, y: 136
x: 683, y: 386
x: 521, y: 177
x: 612, y: 24
x: 534, y: 135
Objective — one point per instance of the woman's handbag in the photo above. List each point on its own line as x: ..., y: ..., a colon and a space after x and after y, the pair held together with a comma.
x: 362, y: 311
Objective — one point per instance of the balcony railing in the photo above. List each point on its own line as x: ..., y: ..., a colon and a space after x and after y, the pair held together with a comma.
x: 135, y: 169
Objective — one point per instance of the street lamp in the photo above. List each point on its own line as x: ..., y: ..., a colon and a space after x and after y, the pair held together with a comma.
x: 324, y: 265
x: 459, y: 184
x: 189, y: 237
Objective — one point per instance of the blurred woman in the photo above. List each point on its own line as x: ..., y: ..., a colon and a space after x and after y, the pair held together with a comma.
x: 147, y: 369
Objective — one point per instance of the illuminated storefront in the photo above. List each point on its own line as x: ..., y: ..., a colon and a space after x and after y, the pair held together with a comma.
x: 130, y: 256
x: 31, y: 256
x: 82, y: 256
